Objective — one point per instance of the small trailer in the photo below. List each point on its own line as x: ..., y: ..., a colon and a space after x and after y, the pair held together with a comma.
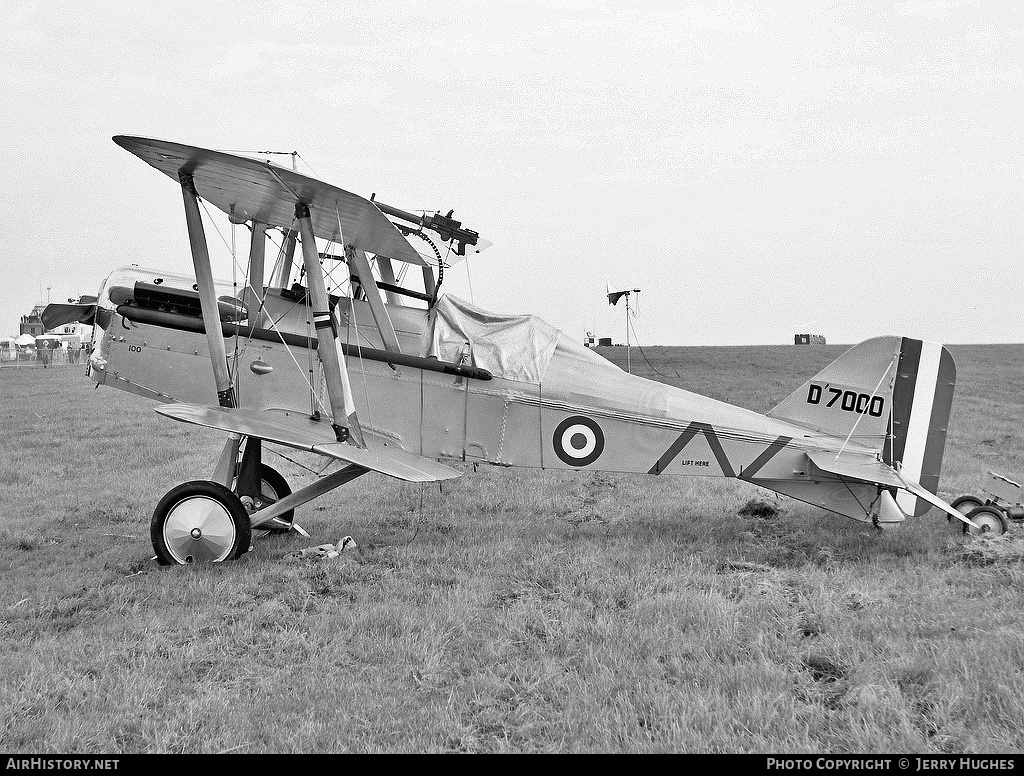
x: 1001, y: 503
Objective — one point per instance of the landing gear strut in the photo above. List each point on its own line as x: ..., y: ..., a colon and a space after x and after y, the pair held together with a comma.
x: 259, y: 485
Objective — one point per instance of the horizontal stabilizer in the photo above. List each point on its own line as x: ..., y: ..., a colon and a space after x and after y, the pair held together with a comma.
x: 295, y: 430
x: 879, y: 473
x: 865, y: 469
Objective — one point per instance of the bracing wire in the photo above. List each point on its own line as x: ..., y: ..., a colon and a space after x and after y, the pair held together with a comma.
x: 233, y: 368
x: 273, y: 323
x: 440, y: 271
x: 234, y: 293
x: 310, y: 469
x: 359, y: 351
x: 300, y: 156
x: 469, y: 280
x: 861, y: 416
x: 633, y: 329
x: 362, y: 368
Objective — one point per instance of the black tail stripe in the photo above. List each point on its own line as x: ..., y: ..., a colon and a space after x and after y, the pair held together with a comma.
x: 903, y: 394
x: 768, y: 453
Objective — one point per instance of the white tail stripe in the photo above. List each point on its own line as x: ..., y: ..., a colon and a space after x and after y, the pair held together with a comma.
x: 920, y: 420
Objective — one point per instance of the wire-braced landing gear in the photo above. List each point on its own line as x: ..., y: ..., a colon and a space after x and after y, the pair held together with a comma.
x: 259, y: 485
x: 272, y: 487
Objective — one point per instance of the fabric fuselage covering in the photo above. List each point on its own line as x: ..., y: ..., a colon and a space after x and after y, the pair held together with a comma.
x: 514, y: 347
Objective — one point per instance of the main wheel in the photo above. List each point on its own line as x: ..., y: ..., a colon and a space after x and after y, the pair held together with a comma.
x: 991, y: 519
x: 273, y: 488
x: 199, y: 522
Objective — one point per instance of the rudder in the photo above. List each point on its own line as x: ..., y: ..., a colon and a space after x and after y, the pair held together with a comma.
x: 921, y: 403
x: 890, y: 394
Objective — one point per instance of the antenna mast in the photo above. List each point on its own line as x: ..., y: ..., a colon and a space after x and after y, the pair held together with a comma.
x: 613, y: 298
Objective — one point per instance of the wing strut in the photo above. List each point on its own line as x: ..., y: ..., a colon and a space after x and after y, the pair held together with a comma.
x: 339, y: 391
x: 387, y: 274
x: 357, y: 261
x: 207, y: 292
x: 252, y: 296
x: 429, y: 282
x: 283, y: 271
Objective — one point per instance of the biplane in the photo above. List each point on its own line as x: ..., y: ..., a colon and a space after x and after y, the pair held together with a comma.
x: 378, y: 376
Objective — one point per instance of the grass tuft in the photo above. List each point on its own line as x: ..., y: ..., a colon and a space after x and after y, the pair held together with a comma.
x: 990, y: 550
x: 759, y: 508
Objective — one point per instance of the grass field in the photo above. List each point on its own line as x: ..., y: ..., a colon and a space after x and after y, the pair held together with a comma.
x: 509, y: 611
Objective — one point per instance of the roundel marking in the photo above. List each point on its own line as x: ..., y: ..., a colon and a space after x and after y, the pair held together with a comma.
x: 578, y: 441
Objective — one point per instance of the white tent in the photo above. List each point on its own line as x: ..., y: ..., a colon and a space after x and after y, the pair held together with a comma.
x: 25, y: 339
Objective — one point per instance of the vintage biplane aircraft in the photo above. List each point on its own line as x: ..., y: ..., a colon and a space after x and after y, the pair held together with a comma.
x: 405, y: 381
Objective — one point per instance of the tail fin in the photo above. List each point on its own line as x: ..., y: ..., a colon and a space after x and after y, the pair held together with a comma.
x: 889, y: 394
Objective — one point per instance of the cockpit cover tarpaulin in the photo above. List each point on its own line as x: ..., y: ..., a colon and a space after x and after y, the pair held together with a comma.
x: 513, y: 347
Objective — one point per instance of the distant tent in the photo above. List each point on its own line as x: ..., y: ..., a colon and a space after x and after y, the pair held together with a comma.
x: 24, y: 340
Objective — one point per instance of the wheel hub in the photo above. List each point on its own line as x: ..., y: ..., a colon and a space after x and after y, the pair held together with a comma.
x: 198, y: 529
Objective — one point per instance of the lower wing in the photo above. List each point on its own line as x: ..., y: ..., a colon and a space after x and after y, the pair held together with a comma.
x: 295, y: 430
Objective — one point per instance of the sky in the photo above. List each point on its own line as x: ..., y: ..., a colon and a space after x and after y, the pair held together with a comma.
x: 756, y: 169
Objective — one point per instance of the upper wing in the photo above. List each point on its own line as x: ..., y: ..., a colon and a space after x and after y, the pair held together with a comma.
x: 294, y: 429
x: 250, y: 189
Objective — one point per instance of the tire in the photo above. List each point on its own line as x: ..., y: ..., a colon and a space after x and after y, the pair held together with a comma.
x: 964, y: 505
x: 199, y: 522
x: 274, y: 487
x: 991, y: 519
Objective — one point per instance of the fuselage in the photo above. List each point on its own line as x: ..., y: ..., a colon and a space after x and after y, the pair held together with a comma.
x: 550, y: 402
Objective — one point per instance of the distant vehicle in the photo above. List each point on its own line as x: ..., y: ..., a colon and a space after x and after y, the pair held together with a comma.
x: 390, y: 379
